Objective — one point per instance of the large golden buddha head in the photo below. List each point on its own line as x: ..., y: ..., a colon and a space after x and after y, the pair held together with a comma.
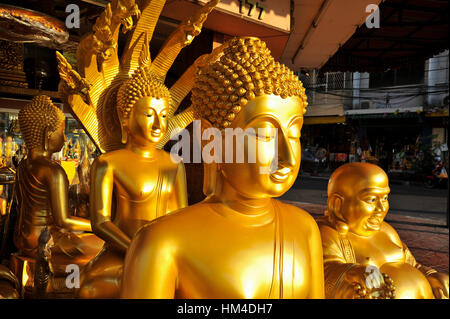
x: 142, y: 105
x: 358, y: 198
x: 247, y: 89
x: 42, y: 125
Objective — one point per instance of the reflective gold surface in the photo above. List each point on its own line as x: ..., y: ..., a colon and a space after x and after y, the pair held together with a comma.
x: 8, y: 284
x: 127, y: 110
x: 239, y: 242
x: 129, y: 188
x: 43, y: 191
x: 355, y: 236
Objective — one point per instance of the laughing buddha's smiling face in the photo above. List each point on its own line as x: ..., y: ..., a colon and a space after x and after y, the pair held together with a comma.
x: 274, y: 124
x: 364, y: 189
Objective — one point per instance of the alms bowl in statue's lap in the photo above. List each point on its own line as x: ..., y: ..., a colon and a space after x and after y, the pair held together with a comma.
x: 409, y: 282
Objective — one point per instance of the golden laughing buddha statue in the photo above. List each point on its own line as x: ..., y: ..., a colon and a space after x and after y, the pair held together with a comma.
x: 133, y: 181
x: 43, y: 191
x: 238, y: 242
x: 363, y: 256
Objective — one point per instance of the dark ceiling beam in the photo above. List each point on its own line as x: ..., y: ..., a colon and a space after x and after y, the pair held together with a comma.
x: 387, y: 50
x: 100, y: 3
x: 408, y: 7
x: 382, y: 21
x: 410, y: 34
x: 414, y: 23
x: 401, y: 39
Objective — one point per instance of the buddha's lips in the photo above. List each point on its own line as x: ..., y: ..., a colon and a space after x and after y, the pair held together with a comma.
x: 156, y: 133
x: 281, y: 175
x: 374, y: 222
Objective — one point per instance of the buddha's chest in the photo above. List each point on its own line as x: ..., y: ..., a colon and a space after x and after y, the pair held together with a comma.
x: 377, y: 250
x: 140, y: 181
x: 245, y: 265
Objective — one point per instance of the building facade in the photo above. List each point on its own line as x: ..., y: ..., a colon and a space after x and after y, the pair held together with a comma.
x: 393, y: 118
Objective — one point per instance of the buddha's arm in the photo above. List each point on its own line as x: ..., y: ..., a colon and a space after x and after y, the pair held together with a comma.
x: 178, y: 197
x: 102, y: 184
x: 150, y: 270
x: 58, y: 186
x: 315, y: 247
x: 340, y: 272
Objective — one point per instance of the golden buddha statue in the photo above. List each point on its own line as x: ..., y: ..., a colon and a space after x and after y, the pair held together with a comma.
x: 129, y: 114
x: 238, y: 242
x: 42, y: 191
x: 363, y: 255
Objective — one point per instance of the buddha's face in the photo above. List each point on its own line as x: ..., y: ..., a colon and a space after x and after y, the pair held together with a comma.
x: 365, y: 202
x: 148, y: 120
x: 56, y: 139
x: 277, y: 156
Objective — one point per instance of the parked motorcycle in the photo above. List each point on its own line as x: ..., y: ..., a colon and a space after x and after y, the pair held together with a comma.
x: 437, y: 178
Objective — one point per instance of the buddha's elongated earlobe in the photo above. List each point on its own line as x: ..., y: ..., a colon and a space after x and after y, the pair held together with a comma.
x: 211, y: 174
x: 334, y: 212
x: 209, y: 178
x: 124, y: 132
x: 46, y: 138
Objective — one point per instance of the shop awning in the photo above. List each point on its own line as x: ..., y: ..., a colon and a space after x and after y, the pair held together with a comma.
x: 388, y: 110
x: 385, y: 113
x: 323, y: 120
x: 269, y: 20
x: 443, y: 113
x: 320, y: 28
x: 324, y: 110
x: 410, y: 31
x: 324, y: 114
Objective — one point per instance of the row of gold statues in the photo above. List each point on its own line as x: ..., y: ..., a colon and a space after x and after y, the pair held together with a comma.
x: 142, y: 240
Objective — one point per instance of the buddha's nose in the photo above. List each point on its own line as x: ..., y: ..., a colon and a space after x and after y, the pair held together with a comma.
x: 380, y: 206
x: 285, y: 153
x: 156, y: 123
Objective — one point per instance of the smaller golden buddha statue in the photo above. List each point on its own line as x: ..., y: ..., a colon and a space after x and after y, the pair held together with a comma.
x: 42, y: 192
x: 238, y: 242
x: 364, y: 256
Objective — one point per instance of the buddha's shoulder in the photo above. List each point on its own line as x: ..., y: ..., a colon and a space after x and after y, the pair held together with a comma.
x: 109, y: 157
x: 180, y: 221
x: 294, y: 214
x: 118, y: 156
x: 42, y: 164
x: 387, y: 230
